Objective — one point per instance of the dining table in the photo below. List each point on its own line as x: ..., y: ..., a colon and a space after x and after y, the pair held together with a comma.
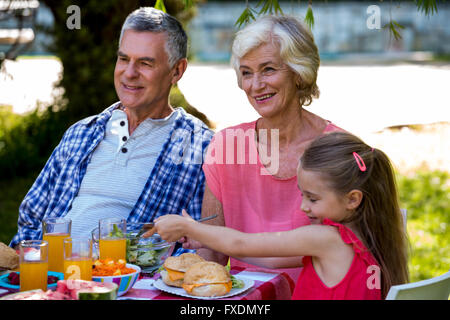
x: 265, y: 285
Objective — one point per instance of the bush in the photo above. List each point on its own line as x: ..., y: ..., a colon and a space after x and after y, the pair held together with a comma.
x: 425, y: 196
x: 26, y: 141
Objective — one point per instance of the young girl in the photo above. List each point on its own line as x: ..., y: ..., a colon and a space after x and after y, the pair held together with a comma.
x: 355, y: 247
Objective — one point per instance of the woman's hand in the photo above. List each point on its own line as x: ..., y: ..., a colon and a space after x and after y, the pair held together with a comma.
x: 189, y: 243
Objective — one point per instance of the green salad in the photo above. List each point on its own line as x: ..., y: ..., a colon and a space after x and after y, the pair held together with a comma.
x: 235, y: 282
x: 144, y: 252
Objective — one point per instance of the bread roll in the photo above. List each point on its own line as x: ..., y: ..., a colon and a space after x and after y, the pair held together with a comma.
x: 9, y: 259
x: 176, y: 266
x: 207, y: 279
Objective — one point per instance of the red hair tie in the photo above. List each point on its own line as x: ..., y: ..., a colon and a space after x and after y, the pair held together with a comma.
x: 359, y: 162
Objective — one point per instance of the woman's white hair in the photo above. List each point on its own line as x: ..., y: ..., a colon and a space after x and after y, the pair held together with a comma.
x: 296, y: 45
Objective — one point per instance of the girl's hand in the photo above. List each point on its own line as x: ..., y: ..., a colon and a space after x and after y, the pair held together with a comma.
x: 170, y: 227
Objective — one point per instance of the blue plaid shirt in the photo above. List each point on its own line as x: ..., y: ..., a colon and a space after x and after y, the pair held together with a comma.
x: 176, y: 181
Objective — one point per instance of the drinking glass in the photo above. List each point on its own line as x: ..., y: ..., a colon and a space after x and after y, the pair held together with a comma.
x: 55, y: 230
x: 112, y: 242
x: 78, y: 259
x: 33, y: 258
x: 95, y: 238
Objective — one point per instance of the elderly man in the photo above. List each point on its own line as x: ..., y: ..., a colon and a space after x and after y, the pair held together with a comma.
x: 138, y: 159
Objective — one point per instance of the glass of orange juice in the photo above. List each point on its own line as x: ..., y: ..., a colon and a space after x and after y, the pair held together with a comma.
x: 112, y: 242
x: 55, y: 230
x: 78, y: 259
x: 33, y: 255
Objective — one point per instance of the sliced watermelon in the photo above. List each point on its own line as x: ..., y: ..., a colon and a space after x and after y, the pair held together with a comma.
x: 37, y: 294
x: 70, y: 290
x: 87, y: 290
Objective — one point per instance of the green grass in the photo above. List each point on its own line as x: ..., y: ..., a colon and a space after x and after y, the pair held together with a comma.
x: 424, y: 195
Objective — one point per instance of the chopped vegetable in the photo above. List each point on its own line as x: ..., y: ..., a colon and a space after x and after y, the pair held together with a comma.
x: 109, y: 267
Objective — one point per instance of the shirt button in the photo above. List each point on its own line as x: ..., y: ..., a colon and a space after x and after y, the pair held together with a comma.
x: 124, y: 138
x: 124, y: 150
x: 122, y: 123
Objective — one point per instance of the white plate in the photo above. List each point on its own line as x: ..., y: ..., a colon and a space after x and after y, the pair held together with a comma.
x: 248, y: 283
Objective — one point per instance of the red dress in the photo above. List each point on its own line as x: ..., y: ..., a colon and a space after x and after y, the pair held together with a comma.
x: 362, y: 281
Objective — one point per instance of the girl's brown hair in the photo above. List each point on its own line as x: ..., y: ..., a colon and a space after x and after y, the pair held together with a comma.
x: 378, y: 218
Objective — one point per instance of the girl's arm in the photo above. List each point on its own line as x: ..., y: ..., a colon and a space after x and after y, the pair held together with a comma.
x: 273, y: 262
x: 312, y: 240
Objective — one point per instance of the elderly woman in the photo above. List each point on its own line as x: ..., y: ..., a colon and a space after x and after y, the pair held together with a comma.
x: 250, y: 188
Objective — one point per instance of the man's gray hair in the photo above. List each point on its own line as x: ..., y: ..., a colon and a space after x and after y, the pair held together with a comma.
x: 153, y: 20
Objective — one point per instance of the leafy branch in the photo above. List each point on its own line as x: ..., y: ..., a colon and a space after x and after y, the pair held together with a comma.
x: 263, y: 7
x: 309, y: 18
x: 269, y: 7
x: 429, y: 7
x: 160, y: 5
x: 393, y: 27
x: 247, y: 15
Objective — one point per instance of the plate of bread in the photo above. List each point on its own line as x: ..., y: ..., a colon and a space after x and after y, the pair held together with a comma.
x: 189, y: 275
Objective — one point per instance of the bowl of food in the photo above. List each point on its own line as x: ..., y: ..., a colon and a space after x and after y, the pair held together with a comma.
x: 119, y: 272
x: 147, y: 253
x: 11, y: 280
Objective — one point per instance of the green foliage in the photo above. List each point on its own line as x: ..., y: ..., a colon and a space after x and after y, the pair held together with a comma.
x: 246, y: 16
x: 188, y: 4
x: 426, y: 192
x: 394, y: 27
x: 12, y: 193
x: 160, y: 5
x: 425, y: 196
x: 269, y: 7
x: 309, y: 17
x: 429, y: 7
x: 26, y: 141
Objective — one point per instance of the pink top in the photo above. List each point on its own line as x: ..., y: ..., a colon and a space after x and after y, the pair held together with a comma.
x: 359, y: 283
x: 252, y: 199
